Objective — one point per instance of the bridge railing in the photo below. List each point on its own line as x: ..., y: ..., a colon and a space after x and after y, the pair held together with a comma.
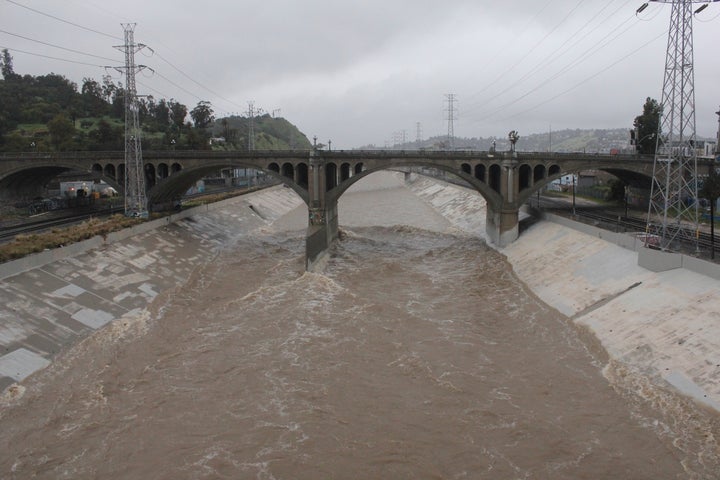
x: 327, y: 154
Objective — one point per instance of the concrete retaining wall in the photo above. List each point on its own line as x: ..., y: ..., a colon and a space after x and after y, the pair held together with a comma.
x: 656, y: 325
x: 50, y: 300
x: 653, y: 260
x: 36, y: 260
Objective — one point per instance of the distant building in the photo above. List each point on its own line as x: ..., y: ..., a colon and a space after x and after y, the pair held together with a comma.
x: 706, y: 148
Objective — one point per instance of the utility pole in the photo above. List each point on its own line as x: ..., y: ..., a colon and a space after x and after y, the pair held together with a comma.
x: 135, y: 198
x: 451, y: 98
x: 550, y: 138
x: 251, y: 126
x: 674, y: 185
x: 717, y: 142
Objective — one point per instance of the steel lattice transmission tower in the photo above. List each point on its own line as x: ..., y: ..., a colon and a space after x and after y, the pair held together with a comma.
x: 452, y: 116
x: 135, y: 198
x: 673, y: 209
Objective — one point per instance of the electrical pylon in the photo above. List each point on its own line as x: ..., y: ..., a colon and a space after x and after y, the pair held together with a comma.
x: 451, y: 98
x: 135, y: 198
x: 673, y: 208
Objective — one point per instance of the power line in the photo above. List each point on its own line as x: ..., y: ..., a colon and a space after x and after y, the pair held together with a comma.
x: 113, y: 60
x: 196, y: 82
x: 50, y: 57
x: 587, y: 54
x: 64, y: 21
x: 587, y: 79
x: 58, y: 46
x: 558, y: 53
x: 155, y: 72
x: 529, y: 52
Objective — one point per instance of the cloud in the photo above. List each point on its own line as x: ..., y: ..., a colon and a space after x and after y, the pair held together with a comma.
x: 357, y: 71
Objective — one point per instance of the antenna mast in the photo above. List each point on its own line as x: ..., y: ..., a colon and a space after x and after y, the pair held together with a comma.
x: 135, y: 199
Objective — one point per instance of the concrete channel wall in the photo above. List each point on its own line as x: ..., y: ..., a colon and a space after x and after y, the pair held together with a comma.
x: 36, y: 260
x: 653, y: 260
x: 656, y: 315
x: 51, y: 300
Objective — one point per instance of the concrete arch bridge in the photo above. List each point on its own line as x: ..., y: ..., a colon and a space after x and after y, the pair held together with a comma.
x: 505, y: 179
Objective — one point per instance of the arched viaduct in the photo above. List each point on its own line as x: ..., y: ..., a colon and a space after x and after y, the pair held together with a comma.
x: 505, y: 179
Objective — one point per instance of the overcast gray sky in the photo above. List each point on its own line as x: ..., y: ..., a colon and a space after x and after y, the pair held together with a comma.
x: 356, y: 72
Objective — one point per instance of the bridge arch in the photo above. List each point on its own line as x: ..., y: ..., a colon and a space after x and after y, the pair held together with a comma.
x: 31, y: 181
x: 109, y: 171
x: 480, y: 172
x: 633, y: 178
x: 169, y: 189
x: 333, y: 194
x: 163, y: 170
x: 495, y: 177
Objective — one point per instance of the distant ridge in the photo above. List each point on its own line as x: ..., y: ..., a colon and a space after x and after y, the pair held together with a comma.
x: 568, y: 140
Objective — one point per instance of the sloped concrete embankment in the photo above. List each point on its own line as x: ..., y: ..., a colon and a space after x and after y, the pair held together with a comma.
x: 664, y: 326
x: 661, y: 326
x: 51, y: 300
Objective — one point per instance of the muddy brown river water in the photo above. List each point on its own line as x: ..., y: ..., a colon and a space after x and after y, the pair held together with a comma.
x: 416, y: 354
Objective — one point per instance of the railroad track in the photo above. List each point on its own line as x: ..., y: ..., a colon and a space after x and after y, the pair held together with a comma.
x: 37, y: 226
x: 7, y: 234
x: 611, y: 220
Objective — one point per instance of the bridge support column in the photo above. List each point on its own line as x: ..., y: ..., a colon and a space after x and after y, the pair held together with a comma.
x: 321, y: 233
x: 502, y: 226
x: 323, y: 217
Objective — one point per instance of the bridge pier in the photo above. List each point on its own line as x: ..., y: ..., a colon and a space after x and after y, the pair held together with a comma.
x: 501, y: 226
x: 321, y: 233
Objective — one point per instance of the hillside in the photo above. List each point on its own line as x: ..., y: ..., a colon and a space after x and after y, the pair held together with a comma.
x: 49, y: 113
x: 271, y: 133
x: 558, y: 141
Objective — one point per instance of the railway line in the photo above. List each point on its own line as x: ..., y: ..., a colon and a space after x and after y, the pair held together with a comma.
x: 55, y: 221
x: 614, y: 219
x: 65, y: 218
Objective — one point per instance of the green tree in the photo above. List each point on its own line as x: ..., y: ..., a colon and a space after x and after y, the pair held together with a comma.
x: 93, y: 98
x: 711, y: 192
x: 106, y: 137
x: 647, y: 127
x: 61, y: 131
x: 108, y: 88
x: 178, y: 112
x: 202, y: 115
x: 6, y: 65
